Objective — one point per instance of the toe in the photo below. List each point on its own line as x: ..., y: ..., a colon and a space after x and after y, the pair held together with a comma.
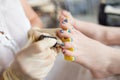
x: 67, y: 26
x: 68, y: 53
x: 61, y: 18
x: 63, y: 34
x: 68, y: 45
x: 66, y: 13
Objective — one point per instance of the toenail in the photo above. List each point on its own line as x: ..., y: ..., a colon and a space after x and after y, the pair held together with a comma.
x: 65, y: 20
x: 61, y: 31
x: 62, y: 44
x: 68, y: 31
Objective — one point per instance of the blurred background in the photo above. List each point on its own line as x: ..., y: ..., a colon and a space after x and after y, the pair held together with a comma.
x: 104, y: 12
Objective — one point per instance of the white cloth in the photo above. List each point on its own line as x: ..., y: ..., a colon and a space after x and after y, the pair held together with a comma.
x: 14, y: 20
x: 15, y: 25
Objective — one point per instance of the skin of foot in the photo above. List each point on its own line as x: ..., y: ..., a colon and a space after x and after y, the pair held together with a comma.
x: 104, y: 34
x: 91, y: 54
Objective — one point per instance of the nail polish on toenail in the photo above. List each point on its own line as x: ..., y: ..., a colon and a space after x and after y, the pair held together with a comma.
x: 62, y: 44
x: 65, y: 20
x: 61, y: 31
x: 68, y: 31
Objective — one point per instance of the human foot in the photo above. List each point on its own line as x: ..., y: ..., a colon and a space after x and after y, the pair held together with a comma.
x: 89, y: 29
x: 67, y: 17
x: 89, y: 53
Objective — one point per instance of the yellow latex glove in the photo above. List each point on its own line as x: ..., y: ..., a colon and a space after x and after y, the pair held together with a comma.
x: 35, y: 60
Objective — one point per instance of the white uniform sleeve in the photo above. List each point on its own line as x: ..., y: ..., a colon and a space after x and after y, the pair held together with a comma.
x: 6, y: 56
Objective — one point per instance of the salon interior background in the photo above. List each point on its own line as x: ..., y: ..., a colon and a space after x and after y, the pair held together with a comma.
x: 86, y: 10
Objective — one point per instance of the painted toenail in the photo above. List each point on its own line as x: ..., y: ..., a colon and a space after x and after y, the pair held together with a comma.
x: 65, y: 20
x: 68, y: 31
x: 61, y: 31
x: 62, y: 44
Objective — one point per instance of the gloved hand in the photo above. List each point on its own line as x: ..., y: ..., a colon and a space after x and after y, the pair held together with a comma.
x: 35, y: 60
x: 34, y: 34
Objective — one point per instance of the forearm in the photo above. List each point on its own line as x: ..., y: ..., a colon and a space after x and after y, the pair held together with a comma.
x: 36, y: 21
x: 31, y: 15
